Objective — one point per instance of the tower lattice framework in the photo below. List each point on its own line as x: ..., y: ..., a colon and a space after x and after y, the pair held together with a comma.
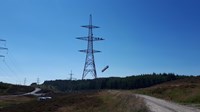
x: 2, y: 48
x: 89, y: 66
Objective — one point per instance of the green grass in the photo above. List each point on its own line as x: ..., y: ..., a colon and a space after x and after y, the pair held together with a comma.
x: 185, y: 91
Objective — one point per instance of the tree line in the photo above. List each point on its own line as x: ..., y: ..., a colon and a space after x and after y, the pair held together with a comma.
x: 130, y: 82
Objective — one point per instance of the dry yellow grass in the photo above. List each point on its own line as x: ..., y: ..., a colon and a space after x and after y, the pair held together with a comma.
x: 109, y: 101
x: 185, y: 90
x: 11, y: 100
x: 124, y: 101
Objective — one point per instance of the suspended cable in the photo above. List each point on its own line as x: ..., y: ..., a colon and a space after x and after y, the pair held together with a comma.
x: 4, y: 74
x: 10, y: 69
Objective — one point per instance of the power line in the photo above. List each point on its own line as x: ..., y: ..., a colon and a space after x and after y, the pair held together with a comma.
x: 4, y: 74
x: 9, y: 68
x: 9, y: 60
x: 13, y: 61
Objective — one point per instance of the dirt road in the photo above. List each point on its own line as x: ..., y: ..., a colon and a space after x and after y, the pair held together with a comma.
x: 34, y: 92
x: 158, y: 105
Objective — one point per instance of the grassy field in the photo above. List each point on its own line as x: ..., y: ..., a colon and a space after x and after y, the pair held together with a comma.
x: 6, y: 101
x: 104, y: 101
x: 186, y: 91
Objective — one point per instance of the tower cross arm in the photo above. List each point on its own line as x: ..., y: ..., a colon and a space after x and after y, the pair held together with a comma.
x: 93, y: 38
x: 88, y: 51
x: 97, y: 38
x: 83, y: 38
x: 2, y: 40
x: 3, y: 48
x: 90, y: 26
x: 2, y: 56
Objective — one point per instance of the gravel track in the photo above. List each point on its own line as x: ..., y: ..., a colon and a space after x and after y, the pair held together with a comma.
x: 158, y: 105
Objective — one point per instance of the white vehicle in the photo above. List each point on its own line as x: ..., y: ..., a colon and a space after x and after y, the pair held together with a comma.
x: 44, y: 98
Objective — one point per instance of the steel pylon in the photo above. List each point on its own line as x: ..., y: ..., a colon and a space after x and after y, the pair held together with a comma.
x: 89, y: 66
x: 2, y: 48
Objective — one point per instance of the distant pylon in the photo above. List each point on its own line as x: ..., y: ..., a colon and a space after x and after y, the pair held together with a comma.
x: 71, y: 74
x: 38, y: 81
x: 89, y: 66
x: 24, y: 81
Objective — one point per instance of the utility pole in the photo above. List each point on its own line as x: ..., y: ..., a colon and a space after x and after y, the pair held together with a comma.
x: 89, y: 66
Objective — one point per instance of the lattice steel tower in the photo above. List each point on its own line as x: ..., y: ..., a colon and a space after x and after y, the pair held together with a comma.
x: 3, y: 48
x: 89, y: 66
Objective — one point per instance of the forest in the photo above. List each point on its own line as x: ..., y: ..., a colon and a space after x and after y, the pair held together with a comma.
x: 126, y: 83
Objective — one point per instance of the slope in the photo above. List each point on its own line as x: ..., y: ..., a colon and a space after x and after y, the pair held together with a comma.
x: 10, y: 89
x: 185, y: 91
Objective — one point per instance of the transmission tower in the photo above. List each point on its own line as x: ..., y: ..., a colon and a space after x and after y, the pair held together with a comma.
x: 3, y: 48
x: 24, y: 81
x: 38, y: 81
x: 71, y: 74
x: 89, y: 66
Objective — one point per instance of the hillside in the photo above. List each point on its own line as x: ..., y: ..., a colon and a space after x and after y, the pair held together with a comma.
x: 9, y: 89
x: 186, y: 90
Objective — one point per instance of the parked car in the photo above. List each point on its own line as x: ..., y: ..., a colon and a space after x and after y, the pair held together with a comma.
x: 44, y: 98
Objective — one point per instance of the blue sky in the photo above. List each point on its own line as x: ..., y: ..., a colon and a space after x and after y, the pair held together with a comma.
x: 141, y: 36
